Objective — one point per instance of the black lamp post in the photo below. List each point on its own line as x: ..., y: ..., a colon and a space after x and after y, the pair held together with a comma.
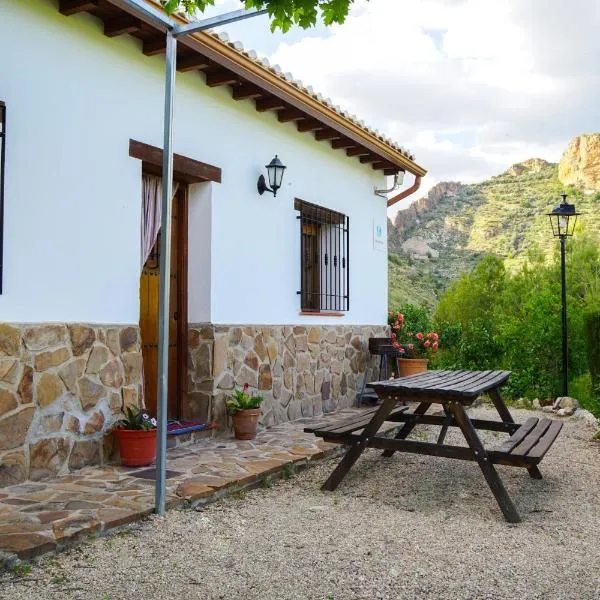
x: 275, y: 170
x: 563, y: 219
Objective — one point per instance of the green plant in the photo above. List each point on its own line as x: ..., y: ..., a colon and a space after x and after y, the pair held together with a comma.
x: 242, y: 400
x: 59, y: 579
x: 288, y: 471
x: 22, y: 569
x: 591, y: 320
x: 283, y: 13
x: 139, y: 421
x: 411, y: 342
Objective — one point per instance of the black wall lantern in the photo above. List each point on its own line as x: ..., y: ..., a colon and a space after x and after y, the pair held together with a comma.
x: 275, y: 170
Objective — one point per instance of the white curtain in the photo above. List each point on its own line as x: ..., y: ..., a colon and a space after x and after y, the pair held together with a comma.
x: 151, y: 212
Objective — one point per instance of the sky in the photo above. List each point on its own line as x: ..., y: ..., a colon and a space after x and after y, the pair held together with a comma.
x: 469, y: 86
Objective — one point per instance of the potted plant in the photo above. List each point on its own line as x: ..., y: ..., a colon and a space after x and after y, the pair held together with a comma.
x: 136, y: 434
x: 245, y: 411
x: 415, y: 347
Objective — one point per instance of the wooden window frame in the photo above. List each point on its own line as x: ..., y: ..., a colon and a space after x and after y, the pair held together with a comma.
x: 324, y: 290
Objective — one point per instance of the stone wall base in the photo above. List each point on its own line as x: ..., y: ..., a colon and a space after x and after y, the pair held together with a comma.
x: 62, y: 387
x: 302, y: 371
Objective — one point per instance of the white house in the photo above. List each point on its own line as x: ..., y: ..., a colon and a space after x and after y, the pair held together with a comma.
x: 281, y: 292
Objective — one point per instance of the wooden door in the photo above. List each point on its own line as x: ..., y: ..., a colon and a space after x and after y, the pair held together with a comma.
x: 149, y: 296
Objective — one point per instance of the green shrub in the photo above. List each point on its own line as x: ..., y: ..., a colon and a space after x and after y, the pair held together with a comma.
x: 581, y: 388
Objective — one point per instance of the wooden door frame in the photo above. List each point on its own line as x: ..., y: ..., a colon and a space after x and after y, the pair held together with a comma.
x: 182, y: 295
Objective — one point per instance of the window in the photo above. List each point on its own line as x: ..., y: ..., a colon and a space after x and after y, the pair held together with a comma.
x: 2, y: 161
x: 324, y: 260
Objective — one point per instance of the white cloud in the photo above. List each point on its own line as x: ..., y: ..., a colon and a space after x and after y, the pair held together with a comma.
x: 471, y: 86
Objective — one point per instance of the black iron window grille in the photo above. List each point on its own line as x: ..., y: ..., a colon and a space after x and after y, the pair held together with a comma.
x: 2, y: 164
x: 324, y: 258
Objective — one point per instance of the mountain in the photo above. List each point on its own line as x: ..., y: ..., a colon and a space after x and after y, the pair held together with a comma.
x: 444, y: 234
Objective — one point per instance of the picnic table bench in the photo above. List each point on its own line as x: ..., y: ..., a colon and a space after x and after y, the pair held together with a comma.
x: 455, y: 391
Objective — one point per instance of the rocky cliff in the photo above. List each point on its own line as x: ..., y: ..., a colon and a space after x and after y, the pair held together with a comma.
x: 580, y: 163
x: 444, y: 234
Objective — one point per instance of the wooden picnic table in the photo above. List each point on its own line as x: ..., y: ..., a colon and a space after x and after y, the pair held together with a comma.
x: 455, y: 391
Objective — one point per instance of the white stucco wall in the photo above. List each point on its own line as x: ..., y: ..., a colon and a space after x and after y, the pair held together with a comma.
x: 72, y: 214
x: 199, y: 251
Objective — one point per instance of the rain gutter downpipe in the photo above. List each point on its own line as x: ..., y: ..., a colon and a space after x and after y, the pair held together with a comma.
x: 406, y: 193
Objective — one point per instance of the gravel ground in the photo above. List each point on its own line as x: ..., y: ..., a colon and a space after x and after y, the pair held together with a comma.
x: 409, y: 527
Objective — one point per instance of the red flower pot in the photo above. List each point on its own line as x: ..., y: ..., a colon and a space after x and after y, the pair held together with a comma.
x: 137, y: 447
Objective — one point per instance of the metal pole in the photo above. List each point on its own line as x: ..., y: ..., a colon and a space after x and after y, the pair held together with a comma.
x: 165, y: 248
x: 230, y: 17
x: 165, y: 277
x: 565, y: 351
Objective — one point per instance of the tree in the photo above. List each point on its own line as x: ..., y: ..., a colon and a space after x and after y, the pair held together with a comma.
x: 283, y: 13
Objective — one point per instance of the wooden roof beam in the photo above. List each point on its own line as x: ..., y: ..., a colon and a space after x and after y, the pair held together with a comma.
x: 290, y: 114
x: 343, y: 143
x: 269, y: 103
x: 358, y: 152
x: 216, y: 77
x: 368, y: 158
x: 155, y: 46
x: 245, y: 91
x: 72, y: 7
x: 327, y: 134
x: 122, y: 25
x: 391, y: 171
x: 192, y: 62
x: 309, y: 125
x: 380, y: 164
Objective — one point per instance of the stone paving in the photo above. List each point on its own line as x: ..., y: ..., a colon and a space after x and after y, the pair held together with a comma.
x: 41, y: 516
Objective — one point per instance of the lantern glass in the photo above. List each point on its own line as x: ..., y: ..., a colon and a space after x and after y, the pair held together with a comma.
x: 275, y: 170
x: 563, y: 219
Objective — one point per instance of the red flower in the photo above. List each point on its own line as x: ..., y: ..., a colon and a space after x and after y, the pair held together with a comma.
x: 411, y: 346
x: 435, y: 346
x: 393, y: 336
x: 246, y: 386
x: 427, y: 344
x: 419, y: 336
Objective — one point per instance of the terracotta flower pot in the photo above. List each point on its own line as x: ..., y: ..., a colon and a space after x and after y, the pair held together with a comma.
x: 137, y: 447
x: 245, y: 423
x: 412, y: 366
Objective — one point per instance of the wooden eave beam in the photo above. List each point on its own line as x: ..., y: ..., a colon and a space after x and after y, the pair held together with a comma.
x: 343, y: 143
x: 155, y: 46
x: 121, y: 25
x: 216, y: 77
x: 72, y: 7
x: 368, y: 159
x: 290, y: 114
x: 309, y: 125
x: 327, y: 134
x: 379, y: 164
x: 245, y: 91
x: 391, y: 171
x: 193, y: 62
x: 269, y: 103
x: 357, y: 152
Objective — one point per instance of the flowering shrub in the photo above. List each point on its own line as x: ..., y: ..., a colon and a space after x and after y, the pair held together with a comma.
x: 242, y: 400
x: 409, y: 343
x: 138, y: 421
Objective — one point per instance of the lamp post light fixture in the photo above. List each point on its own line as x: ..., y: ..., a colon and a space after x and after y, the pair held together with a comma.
x: 563, y: 219
x: 275, y: 170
